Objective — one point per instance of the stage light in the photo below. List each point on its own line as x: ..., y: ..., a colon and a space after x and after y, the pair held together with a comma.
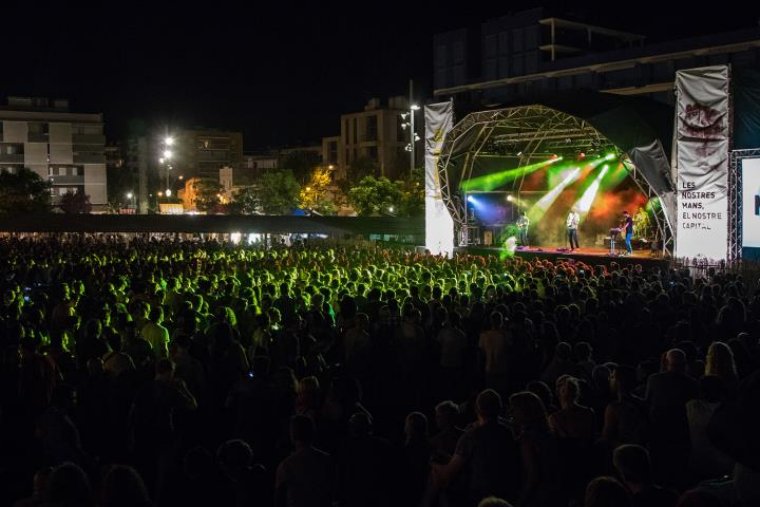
x: 610, y: 156
x: 510, y: 198
x: 470, y: 199
x: 581, y: 156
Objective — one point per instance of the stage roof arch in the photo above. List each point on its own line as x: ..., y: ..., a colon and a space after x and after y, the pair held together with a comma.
x: 638, y: 131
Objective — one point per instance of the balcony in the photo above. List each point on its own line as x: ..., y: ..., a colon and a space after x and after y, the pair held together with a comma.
x: 37, y: 137
x: 90, y: 139
x: 66, y: 181
x: 89, y: 158
x: 16, y: 158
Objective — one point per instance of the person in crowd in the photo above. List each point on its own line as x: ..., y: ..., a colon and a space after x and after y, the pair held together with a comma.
x: 667, y: 394
x: 626, y: 418
x: 572, y: 420
x: 633, y: 466
x: 69, y: 486
x: 446, y: 419
x: 486, y: 453
x: 123, y: 487
x: 706, y: 461
x: 606, y: 492
x: 306, y: 477
x: 720, y: 363
x: 541, y: 469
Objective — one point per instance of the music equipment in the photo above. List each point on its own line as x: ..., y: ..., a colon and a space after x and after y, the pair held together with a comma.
x: 614, y: 233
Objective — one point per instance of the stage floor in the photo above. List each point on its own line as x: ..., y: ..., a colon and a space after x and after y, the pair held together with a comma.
x: 588, y: 255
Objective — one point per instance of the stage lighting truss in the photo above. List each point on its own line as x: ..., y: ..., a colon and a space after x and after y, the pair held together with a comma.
x: 527, y: 134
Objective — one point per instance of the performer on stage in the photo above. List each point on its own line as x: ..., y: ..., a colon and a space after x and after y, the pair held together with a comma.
x: 627, y: 225
x: 573, y: 219
x: 523, y: 222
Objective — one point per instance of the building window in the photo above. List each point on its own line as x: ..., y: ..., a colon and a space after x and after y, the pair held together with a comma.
x: 12, y: 149
x: 371, y: 125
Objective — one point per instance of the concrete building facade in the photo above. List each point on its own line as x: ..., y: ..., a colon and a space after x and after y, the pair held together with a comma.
x: 374, y: 134
x: 67, y: 149
x: 201, y: 153
x: 505, y: 59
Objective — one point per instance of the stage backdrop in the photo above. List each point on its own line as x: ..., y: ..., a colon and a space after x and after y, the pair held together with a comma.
x: 439, y: 226
x: 750, y: 179
x: 702, y: 145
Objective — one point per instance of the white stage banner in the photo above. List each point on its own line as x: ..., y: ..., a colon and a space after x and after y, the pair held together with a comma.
x: 751, y: 202
x: 439, y: 226
x: 702, y: 145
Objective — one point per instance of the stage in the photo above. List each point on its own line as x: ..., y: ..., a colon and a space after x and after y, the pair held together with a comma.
x: 588, y: 255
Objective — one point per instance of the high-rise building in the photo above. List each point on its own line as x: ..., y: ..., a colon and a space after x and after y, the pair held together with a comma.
x: 372, y: 136
x: 201, y: 153
x: 67, y: 149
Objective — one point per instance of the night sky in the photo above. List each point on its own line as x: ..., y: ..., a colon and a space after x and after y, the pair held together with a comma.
x: 282, y: 73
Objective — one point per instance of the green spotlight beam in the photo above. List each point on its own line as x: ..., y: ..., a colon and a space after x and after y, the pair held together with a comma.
x: 491, y: 181
x: 587, y: 199
x: 614, y: 177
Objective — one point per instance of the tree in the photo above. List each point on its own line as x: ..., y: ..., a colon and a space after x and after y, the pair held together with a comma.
x: 314, y: 196
x: 75, y: 203
x: 375, y: 196
x: 207, y: 195
x: 360, y: 168
x: 413, y: 194
x: 277, y: 192
x: 120, y: 181
x: 300, y: 163
x: 245, y: 201
x: 24, y: 192
x: 201, y: 194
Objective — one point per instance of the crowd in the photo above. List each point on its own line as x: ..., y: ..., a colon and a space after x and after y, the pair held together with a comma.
x: 200, y: 373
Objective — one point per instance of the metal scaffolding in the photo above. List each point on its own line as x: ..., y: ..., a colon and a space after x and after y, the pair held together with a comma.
x: 527, y: 133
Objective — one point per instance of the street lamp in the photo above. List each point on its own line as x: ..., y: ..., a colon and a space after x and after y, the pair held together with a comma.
x: 413, y: 137
x: 165, y: 160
